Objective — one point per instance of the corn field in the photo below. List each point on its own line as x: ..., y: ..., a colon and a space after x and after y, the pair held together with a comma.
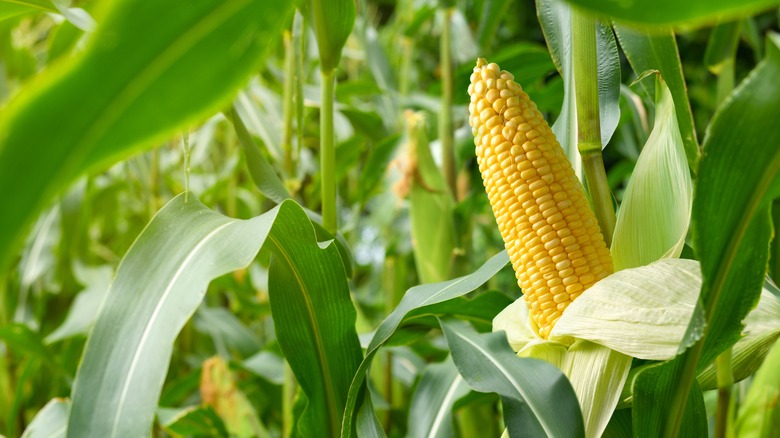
x: 389, y: 218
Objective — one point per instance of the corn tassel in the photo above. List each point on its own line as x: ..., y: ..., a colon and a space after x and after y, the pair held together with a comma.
x: 549, y: 230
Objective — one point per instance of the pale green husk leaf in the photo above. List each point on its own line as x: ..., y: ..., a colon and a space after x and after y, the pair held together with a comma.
x: 642, y: 312
x: 597, y: 374
x: 656, y: 210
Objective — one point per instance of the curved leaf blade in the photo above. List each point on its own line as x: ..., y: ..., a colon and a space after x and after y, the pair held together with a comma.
x: 158, y: 286
x: 653, y: 219
x: 731, y: 219
x: 538, y: 399
x: 135, y: 84
x: 675, y: 12
x: 314, y: 320
x: 430, y: 412
x: 415, y: 299
x: 657, y: 50
x: 50, y: 422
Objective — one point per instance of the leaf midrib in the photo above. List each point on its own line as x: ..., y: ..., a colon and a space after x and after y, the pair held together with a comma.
x: 507, y: 375
x: 153, y: 318
x: 320, y: 348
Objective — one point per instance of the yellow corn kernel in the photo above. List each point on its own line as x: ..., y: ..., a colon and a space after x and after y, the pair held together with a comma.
x: 549, y: 230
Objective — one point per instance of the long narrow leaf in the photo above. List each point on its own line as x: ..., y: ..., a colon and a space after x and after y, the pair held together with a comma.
x: 430, y: 412
x: 314, y: 321
x: 158, y: 286
x: 416, y: 299
x: 538, y: 399
x: 136, y: 83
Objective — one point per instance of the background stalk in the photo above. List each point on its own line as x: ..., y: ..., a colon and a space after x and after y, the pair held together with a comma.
x: 328, y: 153
x: 299, y: 27
x: 588, y: 124
x: 288, y: 105
x: 288, y: 401
x: 445, y: 112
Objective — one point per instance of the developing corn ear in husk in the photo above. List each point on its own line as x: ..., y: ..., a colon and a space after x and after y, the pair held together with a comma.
x: 550, y: 233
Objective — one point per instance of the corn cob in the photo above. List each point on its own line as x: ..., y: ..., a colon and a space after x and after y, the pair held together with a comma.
x: 552, y: 236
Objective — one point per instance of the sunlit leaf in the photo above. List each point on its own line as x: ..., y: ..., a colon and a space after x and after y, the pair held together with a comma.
x: 675, y: 12
x: 158, y: 286
x: 762, y: 329
x: 218, y: 389
x: 135, y: 85
x: 597, y: 374
x: 50, y: 422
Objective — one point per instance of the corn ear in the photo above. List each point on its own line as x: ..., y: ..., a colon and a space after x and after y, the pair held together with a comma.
x: 549, y: 230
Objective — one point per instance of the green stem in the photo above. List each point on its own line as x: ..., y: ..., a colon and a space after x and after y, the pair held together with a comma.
x: 725, y: 382
x: 588, y: 124
x: 154, y: 176
x: 288, y: 104
x: 300, y: 48
x: 407, y: 52
x: 186, y: 142
x: 288, y: 400
x: 445, y: 112
x: 328, y: 153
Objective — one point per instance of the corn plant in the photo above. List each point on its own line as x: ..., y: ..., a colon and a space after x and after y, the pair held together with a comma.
x: 354, y: 218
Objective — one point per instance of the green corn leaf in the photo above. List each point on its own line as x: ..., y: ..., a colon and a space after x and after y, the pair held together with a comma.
x: 192, y: 421
x: 159, y: 285
x: 731, y: 216
x: 430, y: 411
x: 50, y: 422
x: 538, y: 401
x: 135, y: 85
x: 759, y: 415
x: 416, y: 299
x: 692, y: 12
x: 654, y: 388
x: 314, y: 321
x: 653, y: 219
x: 657, y: 50
x: 16, y: 8
x: 731, y: 223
